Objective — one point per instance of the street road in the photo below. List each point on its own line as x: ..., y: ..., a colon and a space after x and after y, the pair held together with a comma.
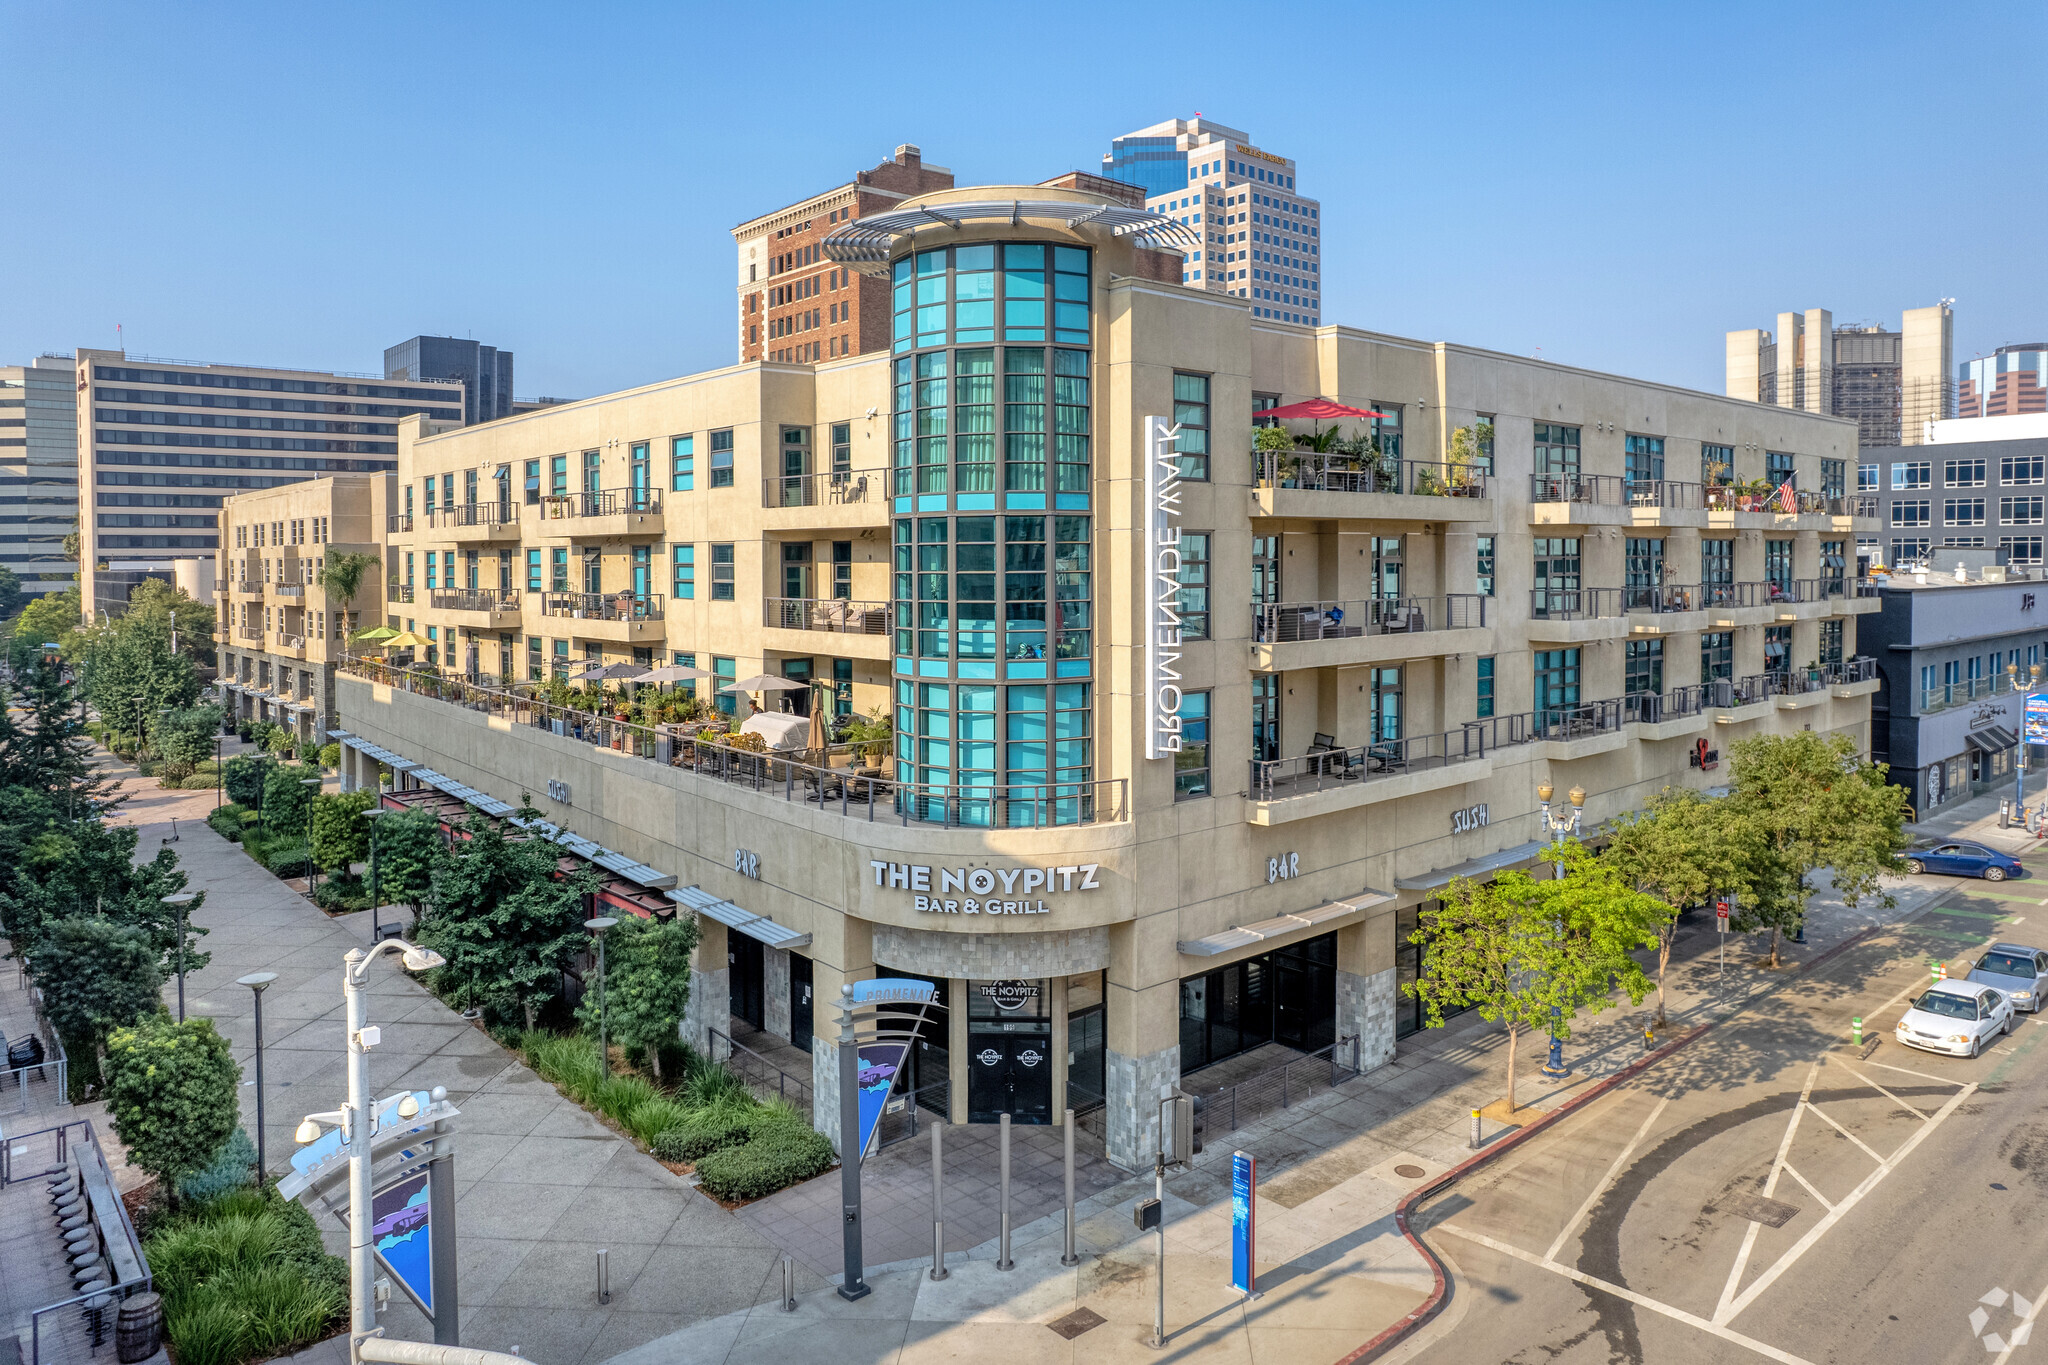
x: 1774, y: 1192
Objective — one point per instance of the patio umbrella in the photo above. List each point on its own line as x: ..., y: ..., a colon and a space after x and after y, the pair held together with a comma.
x: 607, y: 672
x: 765, y: 682
x: 374, y: 634
x: 1319, y: 410
x: 669, y: 673
x: 407, y: 640
x: 818, y: 740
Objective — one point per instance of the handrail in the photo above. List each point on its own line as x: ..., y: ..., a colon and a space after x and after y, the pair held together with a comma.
x: 832, y: 487
x: 1024, y: 805
x: 838, y: 615
x: 603, y: 606
x: 1322, y: 472
x: 786, y: 1084
x: 398, y: 592
x: 475, y: 599
x: 1333, y: 620
x: 398, y: 522
x: 1229, y: 1107
x: 1605, y: 490
x: 492, y: 513
x: 600, y: 503
x: 1664, y: 493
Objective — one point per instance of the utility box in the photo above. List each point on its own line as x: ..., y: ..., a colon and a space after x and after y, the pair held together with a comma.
x: 1146, y: 1215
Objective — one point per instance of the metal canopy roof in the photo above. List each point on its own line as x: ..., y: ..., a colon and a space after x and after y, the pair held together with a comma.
x: 732, y: 917
x: 1245, y: 935
x: 867, y: 243
x: 1472, y: 867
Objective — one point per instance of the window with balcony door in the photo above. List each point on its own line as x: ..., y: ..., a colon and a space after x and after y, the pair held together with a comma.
x: 1778, y: 564
x: 1194, y: 585
x: 1779, y: 467
x: 1557, y: 449
x: 1717, y: 465
x: 593, y: 467
x: 1483, y: 582
x: 721, y: 459
x: 1643, y: 458
x: 1717, y: 655
x: 1830, y: 642
x: 1777, y: 649
x: 1557, y: 678
x: 1643, y: 668
x: 1556, y: 574
x: 1191, y: 764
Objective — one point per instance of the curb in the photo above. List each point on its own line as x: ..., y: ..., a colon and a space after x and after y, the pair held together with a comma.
x: 1439, y: 1293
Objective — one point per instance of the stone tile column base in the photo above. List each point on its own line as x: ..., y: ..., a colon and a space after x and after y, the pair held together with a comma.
x: 1365, y: 1007
x: 1132, y: 1090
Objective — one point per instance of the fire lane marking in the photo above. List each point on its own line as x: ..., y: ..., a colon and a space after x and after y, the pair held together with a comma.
x: 1807, y: 1185
x: 1613, y: 1170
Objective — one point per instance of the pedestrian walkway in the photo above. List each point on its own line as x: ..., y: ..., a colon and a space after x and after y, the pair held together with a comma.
x: 542, y: 1185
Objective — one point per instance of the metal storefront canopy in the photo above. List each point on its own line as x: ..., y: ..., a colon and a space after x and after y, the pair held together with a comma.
x: 1992, y: 739
x: 1472, y: 867
x: 1245, y: 935
x: 732, y: 917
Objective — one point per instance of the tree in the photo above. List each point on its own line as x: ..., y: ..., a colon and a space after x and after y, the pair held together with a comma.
x: 507, y: 924
x: 96, y: 976
x: 1680, y: 850
x: 47, y: 749
x: 130, y: 669
x: 187, y: 735
x: 287, y: 800
x: 193, y: 620
x: 1808, y: 801
x: 1602, y: 921
x: 646, y: 983
x: 171, y: 1092
x: 340, y: 835
x: 409, y: 847
x: 244, y: 776
x: 48, y: 620
x: 343, y: 577
x: 10, y: 591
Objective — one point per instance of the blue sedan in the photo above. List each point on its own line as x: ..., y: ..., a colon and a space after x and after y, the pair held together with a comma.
x: 1959, y: 859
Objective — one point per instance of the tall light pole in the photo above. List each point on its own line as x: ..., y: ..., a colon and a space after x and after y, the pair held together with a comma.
x: 598, y: 926
x: 1559, y: 827
x: 2028, y: 686
x: 357, y: 1119
x: 376, y: 897
x: 312, y: 867
x: 181, y: 899
x: 257, y: 982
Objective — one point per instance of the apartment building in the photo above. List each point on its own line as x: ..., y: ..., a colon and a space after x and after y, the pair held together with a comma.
x: 1957, y: 495
x: 1890, y: 383
x: 794, y: 305
x: 1260, y: 238
x: 162, y: 443
x: 280, y: 626
x: 2010, y: 381
x: 1131, y: 823
x: 485, y: 372
x: 38, y: 472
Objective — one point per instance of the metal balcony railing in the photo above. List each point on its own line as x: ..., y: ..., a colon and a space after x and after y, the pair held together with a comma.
x: 1940, y: 698
x: 1604, y: 490
x: 1281, y: 622
x: 1574, y: 604
x: 1651, y: 708
x: 1326, y: 473
x: 1662, y: 493
x: 470, y: 514
x: 1856, y: 670
x: 1328, y: 765
x: 839, y: 616
x: 288, y: 641
x: 600, y: 503
x: 831, y: 489
x: 294, y: 588
x: 474, y: 599
x: 1578, y: 720
x: 398, y: 521
x: 398, y: 592
x: 603, y: 606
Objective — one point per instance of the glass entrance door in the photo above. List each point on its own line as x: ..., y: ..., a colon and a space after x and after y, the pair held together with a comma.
x: 1265, y: 716
x: 1009, y: 1073
x: 800, y: 1002
x: 743, y: 964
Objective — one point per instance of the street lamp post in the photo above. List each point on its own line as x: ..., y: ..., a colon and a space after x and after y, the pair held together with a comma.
x: 598, y: 926
x: 2028, y: 685
x: 1559, y: 826
x: 257, y: 982
x: 313, y: 868
x: 376, y: 897
x: 357, y: 1119
x: 181, y: 899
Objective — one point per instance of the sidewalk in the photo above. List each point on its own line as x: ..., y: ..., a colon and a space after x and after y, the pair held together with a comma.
x: 541, y: 1184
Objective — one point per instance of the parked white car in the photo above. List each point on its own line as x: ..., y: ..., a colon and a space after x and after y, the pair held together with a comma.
x: 2021, y: 972
x: 1960, y: 1018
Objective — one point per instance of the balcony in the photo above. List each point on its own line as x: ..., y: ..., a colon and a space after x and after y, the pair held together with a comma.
x: 1569, y: 498
x: 1311, y: 484
x: 398, y: 523
x: 1668, y: 715
x: 608, y: 512
x: 1331, y: 777
x: 866, y: 622
x: 295, y: 589
x: 1855, y: 677
x: 487, y: 608
x: 246, y: 587
x: 1823, y: 511
x: 283, y: 642
x: 837, y: 498
x: 1933, y: 699
x: 474, y: 521
x: 398, y: 592
x: 619, y: 617
x: 1371, y: 630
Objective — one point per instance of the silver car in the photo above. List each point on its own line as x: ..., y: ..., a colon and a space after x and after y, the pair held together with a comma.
x: 2019, y: 971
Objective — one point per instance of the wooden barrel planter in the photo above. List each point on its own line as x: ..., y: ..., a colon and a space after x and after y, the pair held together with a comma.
x: 139, y: 1329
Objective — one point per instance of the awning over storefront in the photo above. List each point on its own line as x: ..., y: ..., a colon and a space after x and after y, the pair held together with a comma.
x: 1472, y: 867
x: 598, y: 855
x: 1245, y: 935
x: 383, y: 755
x: 732, y: 917
x: 1992, y: 739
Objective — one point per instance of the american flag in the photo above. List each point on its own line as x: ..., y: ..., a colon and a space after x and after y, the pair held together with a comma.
x: 1788, y: 501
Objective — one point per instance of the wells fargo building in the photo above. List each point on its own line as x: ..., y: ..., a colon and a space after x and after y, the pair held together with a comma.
x: 1181, y: 739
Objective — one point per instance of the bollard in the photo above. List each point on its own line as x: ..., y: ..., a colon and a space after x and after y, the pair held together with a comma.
x: 1070, y: 1257
x: 788, y: 1285
x: 1475, y: 1130
x: 1940, y: 972
x: 1856, y: 1032
x: 939, y: 1271
x: 1647, y: 1038
x: 1003, y: 1261
x: 604, y: 1277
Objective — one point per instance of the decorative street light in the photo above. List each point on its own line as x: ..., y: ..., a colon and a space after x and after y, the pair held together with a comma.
x: 1559, y: 826
x: 598, y: 926
x: 357, y: 1119
x: 181, y: 899
x: 257, y: 982
x: 376, y: 897
x: 2029, y: 685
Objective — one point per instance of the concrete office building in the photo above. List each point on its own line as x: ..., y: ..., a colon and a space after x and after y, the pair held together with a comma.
x: 794, y: 305
x: 1974, y: 495
x: 1259, y: 237
x: 1949, y: 651
x: 485, y: 372
x: 2010, y: 381
x: 1889, y: 383
x: 1118, y: 867
x: 161, y: 443
x: 38, y: 472
x: 280, y: 627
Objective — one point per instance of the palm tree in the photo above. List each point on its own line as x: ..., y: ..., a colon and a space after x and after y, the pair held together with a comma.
x: 344, y: 579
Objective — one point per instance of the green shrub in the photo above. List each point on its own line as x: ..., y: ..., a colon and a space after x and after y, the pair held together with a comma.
x: 288, y: 857
x: 226, y: 821
x: 244, y: 1277
x: 701, y: 1134
x: 782, y: 1156
x: 651, y: 1118
x: 710, y: 1084
x: 233, y: 1168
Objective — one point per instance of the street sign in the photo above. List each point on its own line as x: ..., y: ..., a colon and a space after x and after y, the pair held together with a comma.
x: 404, y: 1231
x: 1244, y: 1184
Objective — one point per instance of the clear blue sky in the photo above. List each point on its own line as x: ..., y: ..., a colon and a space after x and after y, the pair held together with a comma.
x: 1617, y: 185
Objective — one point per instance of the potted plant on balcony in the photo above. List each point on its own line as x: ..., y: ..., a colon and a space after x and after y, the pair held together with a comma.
x: 1272, y: 448
x: 871, y: 736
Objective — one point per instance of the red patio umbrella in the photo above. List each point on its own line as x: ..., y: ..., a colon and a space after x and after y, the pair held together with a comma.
x: 1319, y: 410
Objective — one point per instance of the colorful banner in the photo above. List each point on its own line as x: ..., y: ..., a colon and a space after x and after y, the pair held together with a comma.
x: 2036, y: 729
x: 1244, y: 1185
x: 403, y: 1235
x: 880, y: 1064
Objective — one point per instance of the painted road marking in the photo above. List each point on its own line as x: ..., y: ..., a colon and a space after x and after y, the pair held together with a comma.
x: 1919, y: 1075
x: 1849, y: 1135
x: 1613, y: 1170
x: 1884, y: 1092
x: 1807, y: 1185
x: 1629, y: 1295
x: 2019, y: 1337
x: 1770, y: 1189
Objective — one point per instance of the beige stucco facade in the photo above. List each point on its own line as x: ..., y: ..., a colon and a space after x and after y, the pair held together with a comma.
x: 1439, y: 593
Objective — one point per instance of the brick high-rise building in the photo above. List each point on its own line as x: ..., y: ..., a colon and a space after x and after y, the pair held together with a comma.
x: 2009, y: 381
x: 794, y: 304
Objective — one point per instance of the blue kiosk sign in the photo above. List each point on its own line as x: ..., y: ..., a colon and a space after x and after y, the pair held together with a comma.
x: 1244, y: 1186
